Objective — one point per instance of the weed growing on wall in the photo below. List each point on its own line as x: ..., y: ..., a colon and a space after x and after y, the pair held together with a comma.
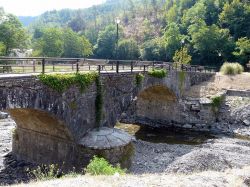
x: 138, y: 79
x: 158, y: 73
x: 100, y: 166
x: 216, y: 103
x: 62, y: 82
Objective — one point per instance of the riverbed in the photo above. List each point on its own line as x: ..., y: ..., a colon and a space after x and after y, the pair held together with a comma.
x: 156, y: 152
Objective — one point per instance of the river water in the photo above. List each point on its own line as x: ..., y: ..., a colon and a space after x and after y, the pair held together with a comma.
x: 165, y: 135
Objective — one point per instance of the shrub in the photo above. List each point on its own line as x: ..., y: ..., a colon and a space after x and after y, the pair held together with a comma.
x: 158, y: 73
x: 100, y: 166
x: 231, y: 68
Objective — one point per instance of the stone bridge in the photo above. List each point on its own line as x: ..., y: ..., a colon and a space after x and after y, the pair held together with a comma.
x: 49, y: 122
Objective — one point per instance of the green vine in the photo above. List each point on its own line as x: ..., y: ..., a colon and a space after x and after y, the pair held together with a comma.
x: 98, y: 102
x: 182, y: 76
x: 158, y: 73
x: 62, y: 82
x: 138, y: 79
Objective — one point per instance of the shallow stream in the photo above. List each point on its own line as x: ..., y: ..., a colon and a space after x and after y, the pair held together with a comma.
x: 165, y: 135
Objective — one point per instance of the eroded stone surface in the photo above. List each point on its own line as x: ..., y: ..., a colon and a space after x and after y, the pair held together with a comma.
x: 105, y: 138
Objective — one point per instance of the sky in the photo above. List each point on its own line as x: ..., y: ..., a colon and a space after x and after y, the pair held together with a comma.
x: 37, y: 7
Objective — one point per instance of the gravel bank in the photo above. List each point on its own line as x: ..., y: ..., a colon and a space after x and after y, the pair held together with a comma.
x: 154, y: 164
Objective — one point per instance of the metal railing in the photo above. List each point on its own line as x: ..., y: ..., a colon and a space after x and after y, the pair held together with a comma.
x: 37, y: 65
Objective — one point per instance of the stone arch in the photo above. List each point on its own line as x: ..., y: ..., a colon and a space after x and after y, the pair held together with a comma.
x: 157, y: 104
x: 41, y: 137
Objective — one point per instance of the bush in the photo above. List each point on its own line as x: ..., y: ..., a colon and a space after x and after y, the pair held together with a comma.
x: 231, y: 68
x: 158, y: 73
x: 100, y: 166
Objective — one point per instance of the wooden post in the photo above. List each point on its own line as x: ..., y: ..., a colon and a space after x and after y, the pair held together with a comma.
x: 132, y: 66
x: 34, y: 66
x: 99, y: 69
x: 77, y: 66
x: 53, y: 64
x: 144, y: 69
x: 43, y: 66
x: 117, y: 67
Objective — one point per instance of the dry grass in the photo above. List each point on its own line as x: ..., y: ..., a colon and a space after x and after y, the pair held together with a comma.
x: 218, y: 83
x: 229, y: 178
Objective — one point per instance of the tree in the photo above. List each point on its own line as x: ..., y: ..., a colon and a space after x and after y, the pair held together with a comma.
x: 236, y: 17
x: 12, y: 34
x: 72, y: 44
x: 106, y: 43
x: 243, y: 50
x: 154, y: 49
x: 209, y: 41
x: 87, y: 47
x: 128, y: 50
x: 182, y: 56
x: 2, y: 49
x: 172, y: 38
x: 51, y: 42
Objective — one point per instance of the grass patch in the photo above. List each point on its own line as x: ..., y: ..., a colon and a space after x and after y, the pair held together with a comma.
x: 158, y: 73
x: 100, y: 166
x: 231, y: 68
x: 62, y: 82
x: 139, y: 78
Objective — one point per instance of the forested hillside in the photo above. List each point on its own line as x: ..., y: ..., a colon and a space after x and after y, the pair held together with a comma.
x: 208, y: 32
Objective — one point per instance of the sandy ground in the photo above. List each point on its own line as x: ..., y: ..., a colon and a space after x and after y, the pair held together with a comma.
x: 218, y: 83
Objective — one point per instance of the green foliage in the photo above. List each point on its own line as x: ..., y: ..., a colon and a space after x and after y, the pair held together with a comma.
x: 154, y: 49
x: 128, y: 50
x: 100, y: 166
x: 2, y: 49
x: 98, y: 102
x: 216, y: 103
x: 172, y: 38
x: 236, y: 17
x: 51, y: 43
x: 243, y: 49
x: 57, y: 42
x: 12, y: 34
x: 139, y: 78
x: 158, y: 73
x: 106, y: 43
x: 231, y: 68
x: 182, y: 56
x: 61, y: 82
x: 210, y: 40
